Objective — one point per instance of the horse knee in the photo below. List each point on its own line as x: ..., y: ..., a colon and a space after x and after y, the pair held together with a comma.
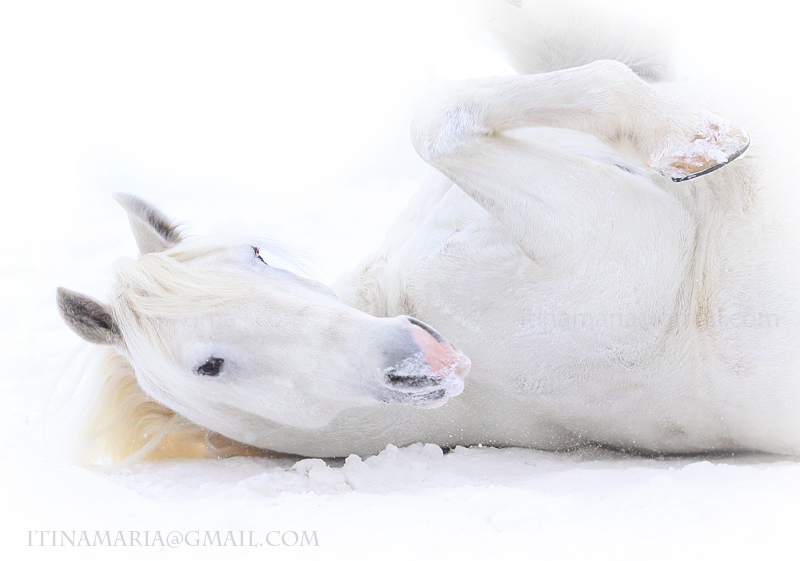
x: 445, y: 123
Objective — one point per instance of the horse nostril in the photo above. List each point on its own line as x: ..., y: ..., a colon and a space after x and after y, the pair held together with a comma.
x: 409, y: 381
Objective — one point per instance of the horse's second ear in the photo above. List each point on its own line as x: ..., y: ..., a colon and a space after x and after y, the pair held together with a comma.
x: 153, y: 231
x: 88, y: 318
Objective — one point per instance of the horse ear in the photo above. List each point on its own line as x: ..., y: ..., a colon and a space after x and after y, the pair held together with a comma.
x: 152, y: 230
x: 88, y: 318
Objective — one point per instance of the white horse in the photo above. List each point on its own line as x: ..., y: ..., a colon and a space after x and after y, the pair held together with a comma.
x: 599, y: 297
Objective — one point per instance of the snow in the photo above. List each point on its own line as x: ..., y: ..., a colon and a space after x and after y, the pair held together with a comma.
x: 586, y: 504
x: 291, y: 122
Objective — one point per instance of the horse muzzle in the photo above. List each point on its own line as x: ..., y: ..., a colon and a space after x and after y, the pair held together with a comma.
x: 428, y: 371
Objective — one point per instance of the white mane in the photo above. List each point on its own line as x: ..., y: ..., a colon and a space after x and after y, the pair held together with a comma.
x: 160, y: 285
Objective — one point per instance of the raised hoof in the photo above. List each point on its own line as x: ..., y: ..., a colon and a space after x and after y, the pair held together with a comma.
x: 719, y: 143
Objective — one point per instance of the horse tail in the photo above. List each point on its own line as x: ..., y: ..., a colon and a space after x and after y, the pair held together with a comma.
x: 546, y: 35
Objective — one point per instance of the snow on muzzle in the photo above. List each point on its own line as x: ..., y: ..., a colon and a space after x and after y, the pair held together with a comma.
x: 429, y: 371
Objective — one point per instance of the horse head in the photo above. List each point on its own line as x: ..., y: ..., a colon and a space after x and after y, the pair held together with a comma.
x: 216, y: 333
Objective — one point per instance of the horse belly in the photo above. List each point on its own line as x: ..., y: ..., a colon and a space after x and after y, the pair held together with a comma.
x: 543, y: 377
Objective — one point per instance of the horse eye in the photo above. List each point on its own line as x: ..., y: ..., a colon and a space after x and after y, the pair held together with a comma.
x: 211, y: 367
x: 258, y: 254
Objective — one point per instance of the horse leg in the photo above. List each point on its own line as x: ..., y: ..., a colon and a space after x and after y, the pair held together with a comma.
x: 604, y: 98
x: 556, y: 202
